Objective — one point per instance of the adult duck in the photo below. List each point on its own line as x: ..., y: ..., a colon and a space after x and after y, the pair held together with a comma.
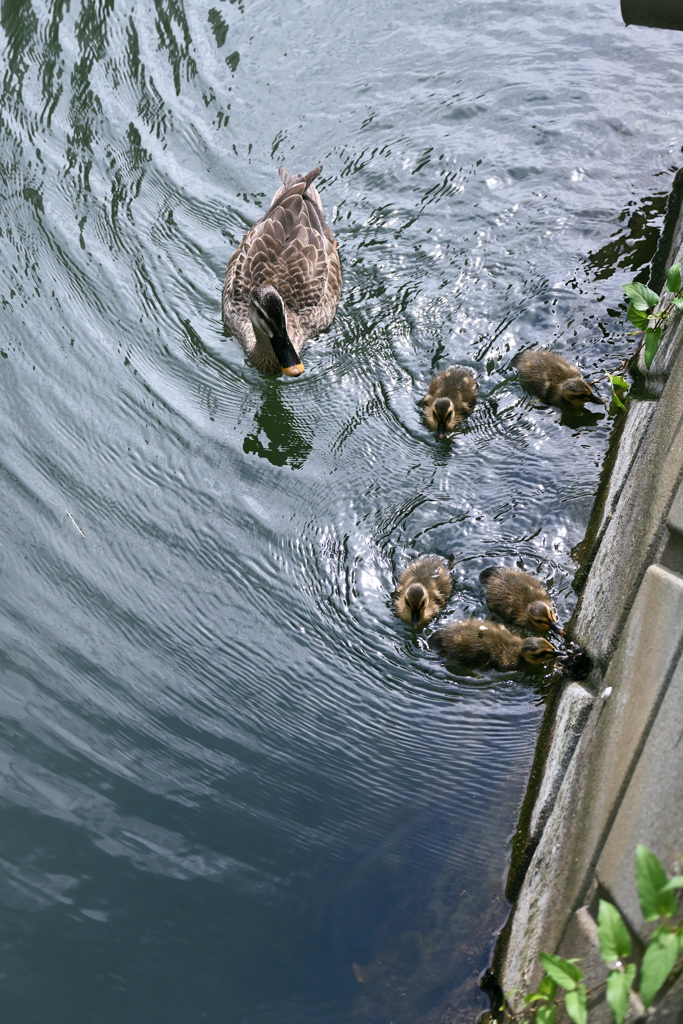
x: 283, y: 281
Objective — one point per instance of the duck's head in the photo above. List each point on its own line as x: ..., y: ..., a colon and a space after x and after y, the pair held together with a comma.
x: 536, y: 652
x: 444, y: 414
x: 578, y: 391
x: 543, y: 618
x: 416, y: 602
x: 269, y: 320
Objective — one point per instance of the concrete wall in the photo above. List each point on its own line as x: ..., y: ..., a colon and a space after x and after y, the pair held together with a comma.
x: 611, y: 771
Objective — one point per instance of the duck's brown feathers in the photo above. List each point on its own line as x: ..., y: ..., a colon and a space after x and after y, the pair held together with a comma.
x: 518, y: 598
x: 552, y: 379
x: 458, y: 386
x: 423, y: 588
x: 292, y: 249
x: 483, y: 643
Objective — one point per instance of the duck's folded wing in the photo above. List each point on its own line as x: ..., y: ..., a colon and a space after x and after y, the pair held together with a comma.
x: 288, y: 248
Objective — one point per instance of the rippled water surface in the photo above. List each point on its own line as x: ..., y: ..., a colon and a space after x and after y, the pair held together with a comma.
x: 233, y: 787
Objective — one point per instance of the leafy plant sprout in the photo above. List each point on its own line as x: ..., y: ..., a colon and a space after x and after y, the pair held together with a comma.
x: 564, y: 980
x: 643, y: 314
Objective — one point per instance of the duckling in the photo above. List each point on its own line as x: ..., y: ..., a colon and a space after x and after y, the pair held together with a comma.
x: 519, y: 598
x: 423, y: 589
x: 284, y: 280
x: 484, y: 644
x: 452, y: 396
x: 552, y: 379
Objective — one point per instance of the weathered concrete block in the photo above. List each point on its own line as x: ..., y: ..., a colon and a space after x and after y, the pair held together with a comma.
x: 675, y: 518
x: 637, y: 419
x: 587, y: 801
x: 572, y: 714
x: 637, y: 525
x: 672, y: 555
x: 651, y: 809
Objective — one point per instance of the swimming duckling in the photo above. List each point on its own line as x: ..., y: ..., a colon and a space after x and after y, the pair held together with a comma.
x: 452, y: 396
x: 423, y: 589
x: 484, y: 644
x: 552, y: 379
x: 519, y: 598
x: 283, y: 280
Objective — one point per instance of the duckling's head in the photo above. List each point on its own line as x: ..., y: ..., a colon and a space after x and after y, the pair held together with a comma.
x: 416, y: 602
x: 542, y: 617
x: 536, y: 652
x: 269, y: 320
x: 578, y: 391
x: 444, y: 414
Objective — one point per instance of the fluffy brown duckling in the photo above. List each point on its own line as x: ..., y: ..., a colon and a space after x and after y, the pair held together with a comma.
x: 520, y: 599
x: 423, y: 589
x: 486, y: 644
x: 452, y: 396
x: 552, y: 379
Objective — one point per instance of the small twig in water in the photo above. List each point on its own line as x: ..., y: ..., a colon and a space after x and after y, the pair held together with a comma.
x: 75, y: 524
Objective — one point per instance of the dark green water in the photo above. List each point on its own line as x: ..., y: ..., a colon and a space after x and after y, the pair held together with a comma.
x: 227, y: 772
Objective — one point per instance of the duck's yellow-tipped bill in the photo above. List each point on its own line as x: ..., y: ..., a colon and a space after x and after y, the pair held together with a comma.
x: 293, y: 371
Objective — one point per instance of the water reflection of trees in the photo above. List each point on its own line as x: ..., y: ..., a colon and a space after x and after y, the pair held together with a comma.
x: 633, y: 246
x: 37, y: 53
x: 285, y: 441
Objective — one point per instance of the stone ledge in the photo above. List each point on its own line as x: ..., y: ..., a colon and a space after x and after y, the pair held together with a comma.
x: 636, y: 534
x: 590, y: 794
x: 571, y: 717
x: 644, y: 815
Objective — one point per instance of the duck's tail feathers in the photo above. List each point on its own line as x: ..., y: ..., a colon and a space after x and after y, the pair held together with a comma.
x: 293, y: 179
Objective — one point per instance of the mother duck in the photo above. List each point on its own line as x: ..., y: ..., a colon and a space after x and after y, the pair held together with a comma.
x: 283, y: 281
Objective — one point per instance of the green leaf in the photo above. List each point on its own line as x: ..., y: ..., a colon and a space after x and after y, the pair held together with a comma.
x: 548, y: 987
x: 613, y: 936
x: 655, y: 900
x: 546, y: 1014
x: 641, y: 291
x: 678, y: 303
x: 546, y: 990
x: 673, y: 278
x: 653, y: 336
x: 674, y: 883
x: 618, y: 987
x: 575, y: 1001
x: 617, y: 401
x: 659, y: 958
x: 636, y: 316
x: 619, y: 382
x: 562, y: 971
